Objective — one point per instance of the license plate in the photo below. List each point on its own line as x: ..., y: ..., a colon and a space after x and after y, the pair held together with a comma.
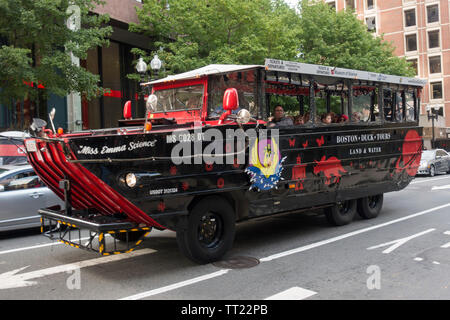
x: 31, y: 145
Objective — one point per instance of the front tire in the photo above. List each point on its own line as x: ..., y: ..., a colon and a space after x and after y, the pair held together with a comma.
x: 341, y: 213
x: 432, y: 171
x: 370, y: 207
x: 210, y: 230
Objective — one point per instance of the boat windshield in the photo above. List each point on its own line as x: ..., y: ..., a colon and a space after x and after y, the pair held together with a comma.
x: 178, y: 99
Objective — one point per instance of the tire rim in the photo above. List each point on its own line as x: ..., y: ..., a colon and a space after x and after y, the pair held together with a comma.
x: 373, y: 201
x: 343, y: 207
x: 210, y: 230
x: 432, y: 171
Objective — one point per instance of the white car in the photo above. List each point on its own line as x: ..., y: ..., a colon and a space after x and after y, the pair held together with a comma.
x: 22, y: 194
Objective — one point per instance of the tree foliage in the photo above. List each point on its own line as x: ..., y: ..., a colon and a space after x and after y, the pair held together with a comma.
x: 341, y: 40
x: 37, y: 45
x: 192, y: 34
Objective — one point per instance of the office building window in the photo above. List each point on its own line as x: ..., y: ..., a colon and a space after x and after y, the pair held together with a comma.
x: 371, y: 24
x: 435, y: 64
x: 410, y: 18
x: 332, y: 4
x: 350, y: 4
x: 433, y: 39
x: 436, y: 90
x: 370, y: 4
x: 433, y: 13
x: 411, y: 42
x: 414, y: 64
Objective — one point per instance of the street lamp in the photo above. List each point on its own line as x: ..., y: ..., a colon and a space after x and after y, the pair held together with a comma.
x: 141, y: 68
x: 433, y: 112
x: 155, y: 64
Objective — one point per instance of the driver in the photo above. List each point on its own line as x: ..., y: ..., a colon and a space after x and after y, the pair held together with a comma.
x: 279, y: 120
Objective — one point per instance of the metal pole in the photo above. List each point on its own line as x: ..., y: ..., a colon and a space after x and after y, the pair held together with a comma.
x: 432, y: 130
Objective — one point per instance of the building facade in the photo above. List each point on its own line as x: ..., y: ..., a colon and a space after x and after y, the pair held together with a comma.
x: 112, y: 63
x: 420, y: 32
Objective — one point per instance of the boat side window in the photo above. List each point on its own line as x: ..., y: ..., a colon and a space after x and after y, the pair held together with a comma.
x: 410, y: 105
x: 245, y: 84
x: 331, y: 101
x: 399, y: 117
x: 365, y: 103
x: 388, y: 103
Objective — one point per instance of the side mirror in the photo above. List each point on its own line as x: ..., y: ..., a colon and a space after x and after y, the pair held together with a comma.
x: 230, y: 99
x: 127, y: 110
x: 230, y: 103
x: 152, y: 102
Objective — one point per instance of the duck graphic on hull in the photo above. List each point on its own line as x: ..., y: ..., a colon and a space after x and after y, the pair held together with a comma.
x: 265, y: 165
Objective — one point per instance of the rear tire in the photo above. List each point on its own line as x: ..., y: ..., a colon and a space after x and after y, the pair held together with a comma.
x: 210, y: 230
x: 341, y: 213
x: 370, y: 207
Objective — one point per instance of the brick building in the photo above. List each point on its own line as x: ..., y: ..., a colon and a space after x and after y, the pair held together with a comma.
x: 420, y: 32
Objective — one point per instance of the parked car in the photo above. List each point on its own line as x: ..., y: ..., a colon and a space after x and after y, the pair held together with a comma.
x: 22, y: 194
x: 12, y: 148
x: 434, y: 161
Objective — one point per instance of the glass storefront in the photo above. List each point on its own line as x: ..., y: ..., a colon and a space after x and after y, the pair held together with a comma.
x: 112, y: 63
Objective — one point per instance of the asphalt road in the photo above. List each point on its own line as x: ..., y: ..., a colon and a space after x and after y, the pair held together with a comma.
x: 402, y: 254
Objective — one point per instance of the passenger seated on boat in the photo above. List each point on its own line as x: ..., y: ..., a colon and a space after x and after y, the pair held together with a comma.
x: 279, y: 119
x: 299, y: 120
x: 356, y: 116
x: 343, y: 118
x: 326, y: 118
x: 306, y: 117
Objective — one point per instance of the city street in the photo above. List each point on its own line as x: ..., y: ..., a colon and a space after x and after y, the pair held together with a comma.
x: 402, y: 254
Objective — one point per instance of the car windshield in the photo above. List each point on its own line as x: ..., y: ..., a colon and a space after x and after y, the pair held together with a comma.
x: 182, y: 98
x: 428, y: 155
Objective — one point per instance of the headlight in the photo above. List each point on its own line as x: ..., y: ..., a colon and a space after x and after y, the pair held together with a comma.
x: 131, y: 180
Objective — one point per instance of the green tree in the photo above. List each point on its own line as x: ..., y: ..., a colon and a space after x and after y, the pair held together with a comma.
x: 342, y: 40
x: 37, y: 45
x: 192, y: 34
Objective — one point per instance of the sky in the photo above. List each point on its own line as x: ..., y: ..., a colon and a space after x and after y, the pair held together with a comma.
x: 292, y: 3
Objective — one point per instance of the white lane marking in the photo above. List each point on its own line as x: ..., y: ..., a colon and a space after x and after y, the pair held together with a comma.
x: 418, y: 259
x: 19, y: 219
x: 399, y: 242
x: 54, y: 243
x: 447, y: 245
x: 176, y: 285
x: 435, y: 262
x: 440, y: 187
x: 38, y: 246
x: 278, y: 255
x: 428, y: 180
x: 351, y: 234
x: 295, y: 293
x: 11, y: 279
